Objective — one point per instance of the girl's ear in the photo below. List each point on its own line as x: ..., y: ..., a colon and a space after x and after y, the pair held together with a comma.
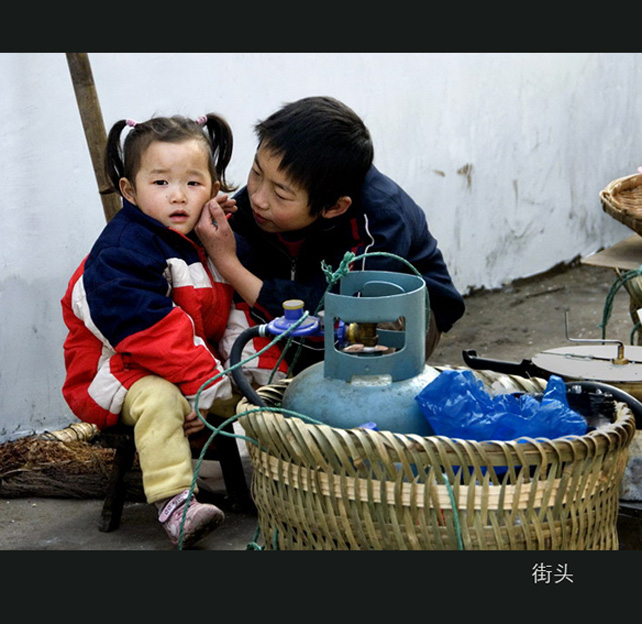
x: 343, y: 203
x: 127, y: 190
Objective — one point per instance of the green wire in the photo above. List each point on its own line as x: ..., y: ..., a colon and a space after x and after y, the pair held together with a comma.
x: 331, y: 277
x: 620, y: 281
x: 460, y: 543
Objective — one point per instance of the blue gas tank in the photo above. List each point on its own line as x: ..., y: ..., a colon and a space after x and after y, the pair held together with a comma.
x: 378, y: 382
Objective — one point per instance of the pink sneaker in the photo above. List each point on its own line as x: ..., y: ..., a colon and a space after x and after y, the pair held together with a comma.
x: 200, y: 519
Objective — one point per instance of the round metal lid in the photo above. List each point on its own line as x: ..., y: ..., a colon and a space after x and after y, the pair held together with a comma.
x: 594, y: 362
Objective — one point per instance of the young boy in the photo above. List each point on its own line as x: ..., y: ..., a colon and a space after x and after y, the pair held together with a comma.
x: 312, y: 195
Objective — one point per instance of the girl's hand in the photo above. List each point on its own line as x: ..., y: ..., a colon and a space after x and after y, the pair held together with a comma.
x: 193, y: 424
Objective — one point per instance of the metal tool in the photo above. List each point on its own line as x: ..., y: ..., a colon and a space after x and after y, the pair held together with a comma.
x: 609, y: 361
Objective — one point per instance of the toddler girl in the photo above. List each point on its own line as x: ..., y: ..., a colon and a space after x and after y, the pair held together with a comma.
x: 146, y: 308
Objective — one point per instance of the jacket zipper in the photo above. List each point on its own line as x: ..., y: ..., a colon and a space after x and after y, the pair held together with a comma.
x: 293, y: 261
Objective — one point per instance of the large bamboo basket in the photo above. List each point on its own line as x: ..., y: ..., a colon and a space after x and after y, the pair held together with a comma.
x: 322, y: 488
x: 622, y: 199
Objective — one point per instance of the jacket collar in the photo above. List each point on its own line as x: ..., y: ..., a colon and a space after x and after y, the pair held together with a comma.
x: 134, y: 213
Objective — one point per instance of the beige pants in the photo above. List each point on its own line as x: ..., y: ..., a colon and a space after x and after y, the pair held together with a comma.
x: 157, y: 409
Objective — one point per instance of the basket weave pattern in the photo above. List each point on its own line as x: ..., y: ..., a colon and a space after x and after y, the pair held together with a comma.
x: 622, y: 199
x: 320, y: 487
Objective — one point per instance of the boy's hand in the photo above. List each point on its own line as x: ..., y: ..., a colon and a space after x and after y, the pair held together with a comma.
x: 216, y: 234
x: 193, y: 424
x: 217, y: 237
x: 227, y: 204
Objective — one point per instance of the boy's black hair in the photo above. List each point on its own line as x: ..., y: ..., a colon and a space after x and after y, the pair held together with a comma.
x: 325, y: 148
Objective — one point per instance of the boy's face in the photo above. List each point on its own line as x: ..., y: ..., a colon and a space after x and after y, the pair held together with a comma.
x: 172, y: 184
x: 278, y: 205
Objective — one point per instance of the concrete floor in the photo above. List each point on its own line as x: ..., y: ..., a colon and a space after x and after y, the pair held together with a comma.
x: 33, y: 523
x: 59, y: 524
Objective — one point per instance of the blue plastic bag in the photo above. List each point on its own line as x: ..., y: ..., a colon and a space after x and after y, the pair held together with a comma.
x: 457, y: 405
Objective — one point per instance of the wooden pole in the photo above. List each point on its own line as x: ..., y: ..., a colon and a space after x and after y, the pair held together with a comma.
x: 94, y: 126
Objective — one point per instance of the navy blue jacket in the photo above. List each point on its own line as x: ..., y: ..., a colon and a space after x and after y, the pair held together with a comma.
x: 383, y: 218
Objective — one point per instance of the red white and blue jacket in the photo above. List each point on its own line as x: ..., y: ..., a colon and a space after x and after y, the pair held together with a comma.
x: 146, y: 300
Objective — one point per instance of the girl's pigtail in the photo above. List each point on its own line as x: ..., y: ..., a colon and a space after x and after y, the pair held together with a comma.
x: 222, y: 142
x: 114, y: 166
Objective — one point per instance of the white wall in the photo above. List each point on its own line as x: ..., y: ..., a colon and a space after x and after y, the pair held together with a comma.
x: 506, y: 153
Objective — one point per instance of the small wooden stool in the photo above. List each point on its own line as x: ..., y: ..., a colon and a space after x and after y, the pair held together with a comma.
x: 223, y: 449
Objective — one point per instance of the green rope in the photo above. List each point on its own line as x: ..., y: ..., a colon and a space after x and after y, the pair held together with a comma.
x: 254, y: 545
x: 332, y: 277
x: 349, y: 258
x: 620, y: 281
x: 219, y: 429
x: 453, y: 504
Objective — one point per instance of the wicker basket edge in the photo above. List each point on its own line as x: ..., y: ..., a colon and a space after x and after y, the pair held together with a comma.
x: 629, y: 215
x: 267, y: 424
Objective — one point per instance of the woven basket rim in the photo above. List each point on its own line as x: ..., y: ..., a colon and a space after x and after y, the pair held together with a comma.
x: 623, y: 180
x: 623, y: 427
x: 622, y: 200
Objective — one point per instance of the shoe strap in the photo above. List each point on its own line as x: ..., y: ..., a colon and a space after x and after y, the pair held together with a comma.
x: 172, y: 505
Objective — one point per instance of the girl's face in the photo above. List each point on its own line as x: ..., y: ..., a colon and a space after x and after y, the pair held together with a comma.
x: 173, y: 183
x: 278, y: 205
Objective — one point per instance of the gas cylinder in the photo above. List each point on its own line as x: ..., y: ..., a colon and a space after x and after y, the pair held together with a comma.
x: 374, y: 380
